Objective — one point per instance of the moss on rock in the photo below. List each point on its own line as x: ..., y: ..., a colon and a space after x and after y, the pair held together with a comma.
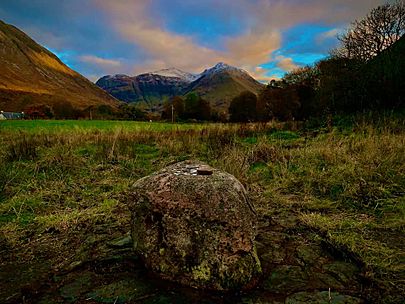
x: 197, y: 230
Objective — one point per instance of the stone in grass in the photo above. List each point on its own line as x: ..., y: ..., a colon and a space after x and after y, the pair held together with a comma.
x: 286, y: 278
x: 122, y: 242
x: 72, y: 291
x: 195, y: 229
x: 129, y: 290
x: 322, y: 297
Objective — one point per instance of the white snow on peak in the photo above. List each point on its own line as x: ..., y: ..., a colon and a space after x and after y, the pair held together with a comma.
x: 221, y: 66
x: 185, y: 76
x: 173, y: 72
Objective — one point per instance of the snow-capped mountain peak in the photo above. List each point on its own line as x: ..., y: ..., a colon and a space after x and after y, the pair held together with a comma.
x: 219, y: 67
x: 174, y: 72
x: 222, y: 66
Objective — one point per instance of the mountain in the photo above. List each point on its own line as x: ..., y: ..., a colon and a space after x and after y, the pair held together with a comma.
x: 173, y: 72
x: 219, y: 85
x: 150, y: 87
x: 31, y: 75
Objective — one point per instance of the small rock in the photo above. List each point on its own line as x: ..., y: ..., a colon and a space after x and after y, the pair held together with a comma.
x: 342, y: 270
x: 286, y: 278
x: 191, y: 166
x: 321, y: 297
x: 74, y: 265
x: 309, y: 254
x: 122, y: 242
x: 73, y: 290
x: 124, y: 291
x: 204, y: 170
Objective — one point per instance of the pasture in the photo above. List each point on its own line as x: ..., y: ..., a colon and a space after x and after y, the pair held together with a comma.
x: 330, y: 201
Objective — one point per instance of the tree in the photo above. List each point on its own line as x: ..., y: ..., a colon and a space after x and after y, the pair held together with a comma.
x: 383, y: 78
x: 65, y: 110
x: 368, y: 37
x: 204, y: 108
x: 39, y: 112
x: 191, y: 106
x: 178, y: 108
x: 197, y: 107
x: 340, y: 89
x: 302, y: 76
x: 243, y: 107
x: 281, y: 102
x: 130, y: 112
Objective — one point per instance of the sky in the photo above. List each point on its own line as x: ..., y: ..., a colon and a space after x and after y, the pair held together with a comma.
x: 267, y: 38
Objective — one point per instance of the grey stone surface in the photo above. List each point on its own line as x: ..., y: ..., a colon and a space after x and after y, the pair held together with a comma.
x: 195, y: 229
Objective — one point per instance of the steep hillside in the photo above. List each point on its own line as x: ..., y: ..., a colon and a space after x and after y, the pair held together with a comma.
x: 221, y: 83
x: 384, y: 77
x: 31, y: 75
x: 150, y: 88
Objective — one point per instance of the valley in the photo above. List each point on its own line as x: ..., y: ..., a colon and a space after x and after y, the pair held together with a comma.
x: 196, y: 152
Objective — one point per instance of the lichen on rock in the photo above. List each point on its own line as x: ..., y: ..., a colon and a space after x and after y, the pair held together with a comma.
x: 195, y: 228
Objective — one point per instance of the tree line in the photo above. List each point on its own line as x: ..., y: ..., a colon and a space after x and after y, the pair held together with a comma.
x: 366, y: 72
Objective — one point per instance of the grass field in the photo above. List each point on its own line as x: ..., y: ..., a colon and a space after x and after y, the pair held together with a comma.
x: 340, y: 186
x: 37, y: 126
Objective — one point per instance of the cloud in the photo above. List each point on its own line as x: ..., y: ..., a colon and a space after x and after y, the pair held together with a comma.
x: 288, y: 13
x: 261, y: 74
x: 142, y: 33
x: 285, y: 63
x: 253, y: 48
x: 105, y: 63
x: 53, y: 41
x: 333, y: 33
x: 137, y: 23
x: 93, y: 78
x: 132, y: 20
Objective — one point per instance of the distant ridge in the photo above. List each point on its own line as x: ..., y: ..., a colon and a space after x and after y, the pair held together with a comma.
x: 31, y: 75
x: 150, y: 88
x: 218, y: 84
x: 173, y: 72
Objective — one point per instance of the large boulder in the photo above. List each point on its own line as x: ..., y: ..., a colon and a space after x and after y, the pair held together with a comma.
x: 194, y: 225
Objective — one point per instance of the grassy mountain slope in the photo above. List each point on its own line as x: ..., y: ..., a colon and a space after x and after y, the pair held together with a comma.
x: 149, y: 88
x: 221, y: 87
x: 31, y: 75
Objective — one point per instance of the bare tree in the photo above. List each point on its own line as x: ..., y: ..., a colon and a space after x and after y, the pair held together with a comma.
x: 368, y: 37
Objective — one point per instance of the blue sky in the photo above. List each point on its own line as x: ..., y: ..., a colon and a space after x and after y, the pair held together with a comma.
x: 265, y: 37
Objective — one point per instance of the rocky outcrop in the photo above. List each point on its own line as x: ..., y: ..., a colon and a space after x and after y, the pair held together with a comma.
x: 146, y: 87
x: 194, y: 225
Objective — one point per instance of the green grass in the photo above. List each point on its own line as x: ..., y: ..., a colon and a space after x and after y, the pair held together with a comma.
x: 346, y: 184
x: 57, y: 126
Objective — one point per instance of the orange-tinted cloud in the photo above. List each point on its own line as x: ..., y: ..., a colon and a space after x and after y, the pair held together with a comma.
x: 107, y: 63
x: 137, y: 23
x: 132, y: 20
x: 261, y: 75
x: 286, y: 63
x: 165, y: 48
x: 253, y: 48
